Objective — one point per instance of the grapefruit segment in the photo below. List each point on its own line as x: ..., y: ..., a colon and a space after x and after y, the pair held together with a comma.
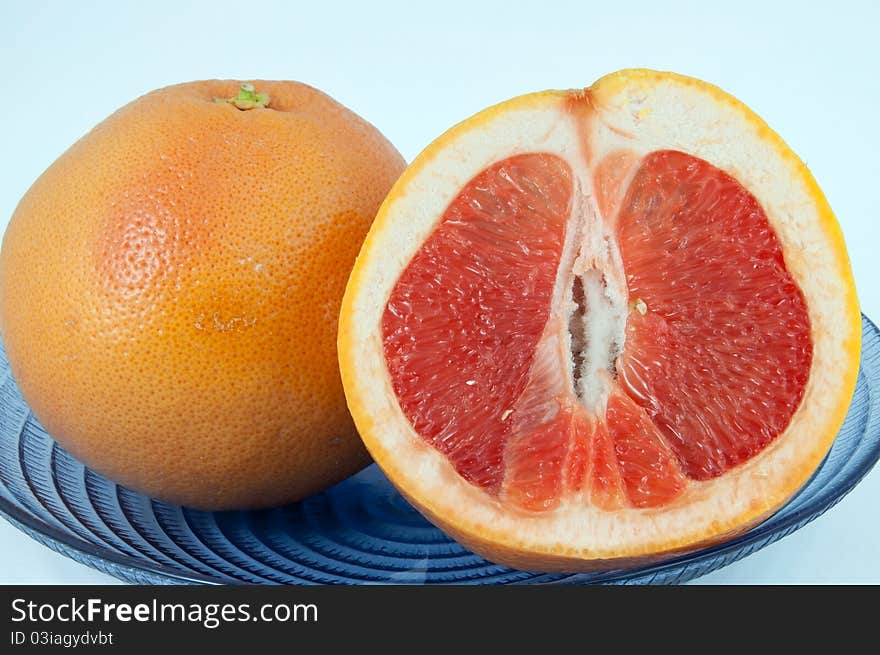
x: 581, y: 451
x: 461, y: 326
x: 584, y: 332
x: 608, y: 491
x: 535, y: 463
x: 648, y: 468
x: 721, y: 357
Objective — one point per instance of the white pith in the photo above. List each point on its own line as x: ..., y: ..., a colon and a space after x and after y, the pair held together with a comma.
x: 600, y: 270
x: 590, y: 254
x: 640, y: 118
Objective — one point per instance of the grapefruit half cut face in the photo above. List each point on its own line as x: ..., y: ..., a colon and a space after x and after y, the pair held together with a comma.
x: 596, y: 327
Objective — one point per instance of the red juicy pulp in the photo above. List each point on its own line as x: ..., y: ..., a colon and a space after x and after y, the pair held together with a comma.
x: 463, y: 321
x: 721, y: 359
x: 709, y: 375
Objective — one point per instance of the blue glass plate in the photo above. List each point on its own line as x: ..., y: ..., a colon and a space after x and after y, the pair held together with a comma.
x: 360, y: 531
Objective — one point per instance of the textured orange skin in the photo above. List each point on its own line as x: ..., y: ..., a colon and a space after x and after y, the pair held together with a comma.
x: 170, y: 286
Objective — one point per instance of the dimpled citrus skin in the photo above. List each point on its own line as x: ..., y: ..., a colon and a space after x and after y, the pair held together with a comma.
x: 169, y: 292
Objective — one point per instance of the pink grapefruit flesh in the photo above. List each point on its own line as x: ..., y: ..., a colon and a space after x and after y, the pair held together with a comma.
x: 717, y: 348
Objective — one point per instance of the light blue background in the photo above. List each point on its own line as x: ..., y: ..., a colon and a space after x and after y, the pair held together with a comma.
x: 415, y: 69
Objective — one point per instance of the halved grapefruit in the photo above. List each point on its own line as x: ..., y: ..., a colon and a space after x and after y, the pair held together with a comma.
x: 591, y: 328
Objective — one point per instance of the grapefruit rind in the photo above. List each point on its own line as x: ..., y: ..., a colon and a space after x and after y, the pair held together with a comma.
x: 169, y: 289
x: 644, y: 111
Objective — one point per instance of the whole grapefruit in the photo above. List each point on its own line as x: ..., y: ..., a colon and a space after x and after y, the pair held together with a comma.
x: 169, y: 290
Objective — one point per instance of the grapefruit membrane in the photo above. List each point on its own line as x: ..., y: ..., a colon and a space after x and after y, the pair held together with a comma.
x: 600, y: 326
